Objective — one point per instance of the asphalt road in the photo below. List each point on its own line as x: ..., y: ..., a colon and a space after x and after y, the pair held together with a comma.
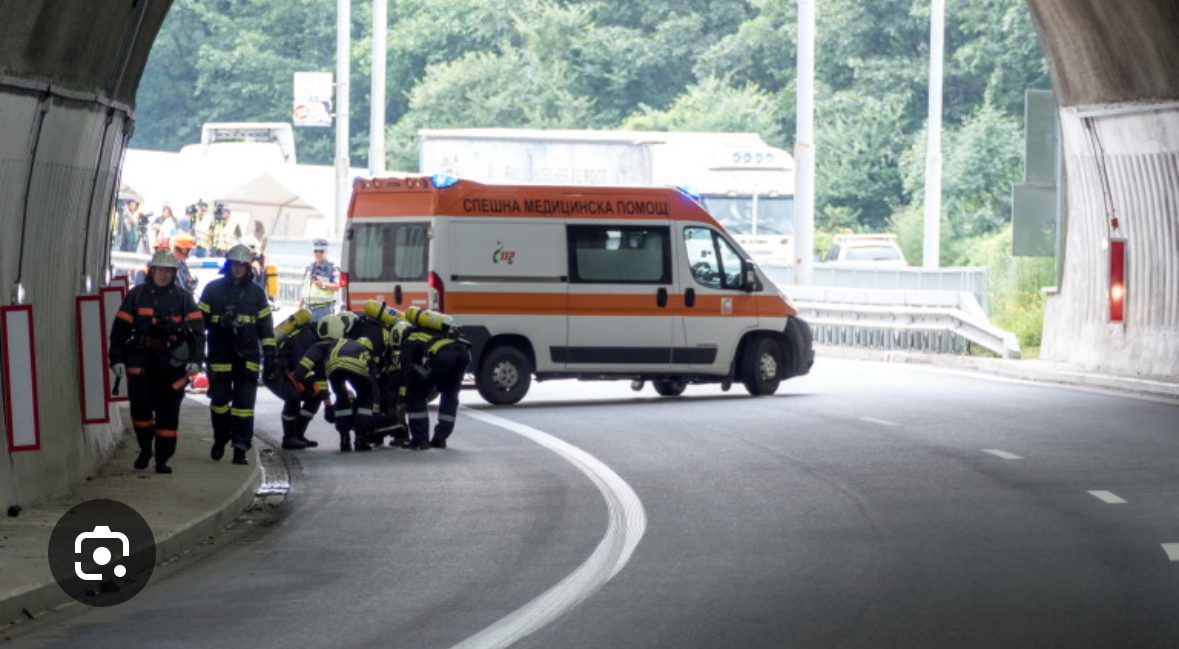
x: 865, y: 505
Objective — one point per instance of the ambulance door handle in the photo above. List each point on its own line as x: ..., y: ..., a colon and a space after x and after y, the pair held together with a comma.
x: 397, y: 294
x: 690, y: 297
x: 661, y: 297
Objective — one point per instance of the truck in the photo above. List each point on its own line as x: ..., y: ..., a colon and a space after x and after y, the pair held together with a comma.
x: 564, y: 281
x: 747, y: 185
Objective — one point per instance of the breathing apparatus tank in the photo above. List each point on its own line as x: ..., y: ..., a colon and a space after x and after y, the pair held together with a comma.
x: 429, y: 319
x: 381, y: 313
x: 292, y: 324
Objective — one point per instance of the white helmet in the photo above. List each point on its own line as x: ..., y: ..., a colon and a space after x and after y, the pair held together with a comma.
x: 330, y: 326
x: 240, y: 254
x: 164, y: 259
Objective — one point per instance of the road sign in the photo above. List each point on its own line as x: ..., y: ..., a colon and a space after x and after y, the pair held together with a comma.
x: 312, y: 99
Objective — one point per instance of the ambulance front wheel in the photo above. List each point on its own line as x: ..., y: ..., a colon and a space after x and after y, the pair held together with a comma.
x: 761, y: 366
x: 504, y: 376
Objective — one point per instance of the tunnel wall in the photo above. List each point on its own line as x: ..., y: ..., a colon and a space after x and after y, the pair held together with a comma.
x: 68, y: 74
x: 1114, y: 70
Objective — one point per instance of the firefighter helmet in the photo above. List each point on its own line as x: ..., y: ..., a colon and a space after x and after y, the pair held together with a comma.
x: 330, y: 327
x: 163, y: 259
x: 240, y: 254
x: 184, y: 241
x: 349, y: 319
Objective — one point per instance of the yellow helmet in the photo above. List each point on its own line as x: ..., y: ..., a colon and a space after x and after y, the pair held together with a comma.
x: 330, y: 327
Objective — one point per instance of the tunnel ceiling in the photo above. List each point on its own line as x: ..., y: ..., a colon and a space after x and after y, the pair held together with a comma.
x: 1110, y: 52
x: 89, y: 46
x: 1099, y: 51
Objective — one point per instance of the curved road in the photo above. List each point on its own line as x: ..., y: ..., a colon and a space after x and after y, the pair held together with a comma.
x: 865, y: 505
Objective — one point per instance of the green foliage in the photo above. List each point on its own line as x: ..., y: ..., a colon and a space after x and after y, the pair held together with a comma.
x: 658, y: 64
x: 1016, y: 301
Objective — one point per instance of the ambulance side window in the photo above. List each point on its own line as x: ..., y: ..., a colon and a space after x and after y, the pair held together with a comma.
x: 619, y: 254
x: 713, y: 261
x: 389, y: 252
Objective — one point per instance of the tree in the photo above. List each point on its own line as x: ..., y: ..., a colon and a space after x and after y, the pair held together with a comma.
x: 713, y: 105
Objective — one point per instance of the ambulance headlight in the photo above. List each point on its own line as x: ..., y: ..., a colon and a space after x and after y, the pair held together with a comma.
x: 442, y: 181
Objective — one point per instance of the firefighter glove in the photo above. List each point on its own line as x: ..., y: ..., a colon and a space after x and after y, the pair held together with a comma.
x: 193, y: 368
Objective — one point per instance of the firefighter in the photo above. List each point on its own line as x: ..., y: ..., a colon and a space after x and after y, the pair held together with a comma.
x: 293, y: 338
x: 349, y: 368
x: 384, y: 327
x: 182, y: 245
x: 157, y: 342
x: 434, y: 356
x: 241, y: 346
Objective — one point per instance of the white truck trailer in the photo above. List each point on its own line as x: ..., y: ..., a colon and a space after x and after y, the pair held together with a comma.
x: 747, y: 185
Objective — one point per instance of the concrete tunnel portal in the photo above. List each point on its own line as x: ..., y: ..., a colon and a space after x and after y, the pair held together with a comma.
x: 69, y: 73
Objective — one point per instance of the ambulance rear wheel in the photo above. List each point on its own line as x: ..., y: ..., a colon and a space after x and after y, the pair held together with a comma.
x: 761, y: 366
x: 670, y: 387
x: 504, y: 376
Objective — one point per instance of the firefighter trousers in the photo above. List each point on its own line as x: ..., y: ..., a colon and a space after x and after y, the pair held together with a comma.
x: 156, y: 393
x: 232, y: 395
x: 445, y: 374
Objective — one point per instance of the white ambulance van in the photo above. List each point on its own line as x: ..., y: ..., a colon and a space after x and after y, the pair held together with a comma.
x: 574, y: 282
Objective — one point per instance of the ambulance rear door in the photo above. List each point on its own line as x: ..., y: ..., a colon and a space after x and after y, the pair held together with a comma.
x: 388, y: 260
x: 620, y: 280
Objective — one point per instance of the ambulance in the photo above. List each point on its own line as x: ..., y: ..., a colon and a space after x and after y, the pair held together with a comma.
x: 592, y: 283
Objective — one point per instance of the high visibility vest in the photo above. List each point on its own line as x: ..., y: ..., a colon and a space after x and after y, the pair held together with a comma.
x: 201, y: 232
x: 312, y: 294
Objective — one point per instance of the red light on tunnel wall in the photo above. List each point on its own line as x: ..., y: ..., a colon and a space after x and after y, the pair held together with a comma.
x: 1117, y: 280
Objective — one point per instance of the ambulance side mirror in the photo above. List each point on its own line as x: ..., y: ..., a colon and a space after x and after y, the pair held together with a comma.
x: 749, y: 275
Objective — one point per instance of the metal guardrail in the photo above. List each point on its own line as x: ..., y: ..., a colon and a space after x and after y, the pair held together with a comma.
x: 932, y: 321
x: 973, y: 280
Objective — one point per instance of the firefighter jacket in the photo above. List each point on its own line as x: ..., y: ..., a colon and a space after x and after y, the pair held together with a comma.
x: 237, y: 318
x: 331, y: 356
x: 421, y: 344
x: 380, y: 336
x: 160, y: 321
x: 292, y: 348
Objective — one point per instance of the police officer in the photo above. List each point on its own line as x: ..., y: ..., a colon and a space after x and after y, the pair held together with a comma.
x: 433, y: 357
x: 293, y: 338
x: 349, y: 368
x: 157, y: 342
x: 241, y: 335
x: 320, y: 283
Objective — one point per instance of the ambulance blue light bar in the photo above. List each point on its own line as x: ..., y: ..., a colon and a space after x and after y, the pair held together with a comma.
x: 691, y: 194
x: 442, y: 181
x: 210, y: 263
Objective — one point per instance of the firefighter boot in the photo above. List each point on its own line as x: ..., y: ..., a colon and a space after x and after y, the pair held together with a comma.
x: 362, y: 441
x: 165, y: 449
x: 301, y: 425
x: 144, y: 436
x: 222, y: 431
x: 290, y: 437
x: 345, y: 442
x: 239, y: 456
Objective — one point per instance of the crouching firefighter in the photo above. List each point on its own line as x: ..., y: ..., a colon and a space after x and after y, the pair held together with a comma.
x: 241, y: 335
x: 292, y: 339
x: 433, y: 357
x: 157, y: 342
x: 384, y: 327
x: 348, y: 366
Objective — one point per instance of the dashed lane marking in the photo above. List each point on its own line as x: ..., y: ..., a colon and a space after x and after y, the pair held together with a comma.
x: 1107, y: 497
x: 1172, y: 550
x: 882, y: 422
x: 627, y: 522
x: 1003, y: 454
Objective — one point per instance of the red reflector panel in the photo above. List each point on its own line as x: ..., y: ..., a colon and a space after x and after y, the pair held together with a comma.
x: 343, y: 280
x: 1117, y: 280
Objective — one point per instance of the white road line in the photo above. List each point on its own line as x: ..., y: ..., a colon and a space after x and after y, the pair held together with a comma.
x: 1107, y: 497
x: 627, y: 522
x: 882, y: 422
x: 1172, y: 550
x: 1003, y: 454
